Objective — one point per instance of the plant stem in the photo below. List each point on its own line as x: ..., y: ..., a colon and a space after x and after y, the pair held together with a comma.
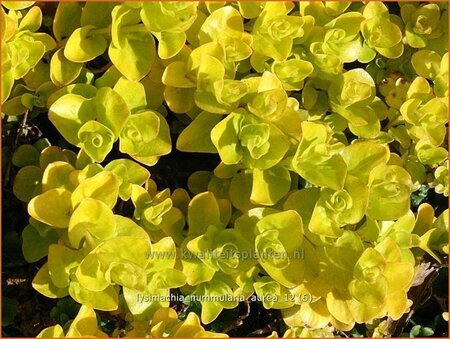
x: 100, y: 31
x: 126, y: 29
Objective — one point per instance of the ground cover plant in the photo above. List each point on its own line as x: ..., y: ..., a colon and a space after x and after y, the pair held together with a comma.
x: 214, y: 169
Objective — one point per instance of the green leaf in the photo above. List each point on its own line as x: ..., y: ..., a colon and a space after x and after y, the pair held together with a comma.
x: 133, y: 53
x: 179, y: 100
x: 97, y: 13
x: 369, y: 294
x: 63, y: 71
x: 127, y: 227
x: 83, y: 90
x: 61, y: 263
x: 278, y: 245
x: 84, y: 324
x: 108, y: 108
x: 370, y: 266
x: 426, y: 63
x: 35, y: 246
x: 14, y: 106
x: 381, y: 32
x: 114, y: 250
x: 130, y: 173
x: 91, y: 217
x: 53, y: 153
x: 153, y: 215
x: 362, y: 157
x: 292, y: 72
x: 270, y: 185
x: 7, y: 73
x: 25, y: 155
x: 134, y: 136
x: 175, y: 75
x: 302, y: 201
x: 165, y: 251
x: 90, y: 273
x: 241, y: 190
x: 389, y: 190
x: 269, y: 104
x: 223, y: 21
x: 126, y: 274
x: 194, y: 269
x: 66, y: 19
x: 42, y: 283
x: 203, y: 211
x: 96, y: 140
x: 133, y: 93
x: 272, y: 37
x: 83, y: 46
x: 52, y: 207
x: 52, y: 332
x: 337, y: 208
x: 240, y: 136
x: 145, y: 137
x: 415, y: 331
x: 32, y: 20
x: 17, y: 5
x: 198, y: 181
x: 225, y: 138
x: 25, y: 46
x: 399, y: 275
x: 354, y: 88
x: 210, y: 75
x: 426, y: 331
x: 429, y: 155
x: 44, y: 38
x: 286, y: 222
x: 109, y: 78
x: 169, y: 43
x: 175, y: 16
x: 211, y: 309
x: 65, y: 115
x: 103, y: 186
x: 196, y: 136
x: 250, y: 10
x: 337, y: 306
x: 273, y: 295
x: 314, y: 160
x: 37, y: 77
x: 106, y: 300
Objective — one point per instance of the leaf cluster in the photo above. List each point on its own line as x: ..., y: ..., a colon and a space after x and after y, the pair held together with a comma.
x: 327, y: 117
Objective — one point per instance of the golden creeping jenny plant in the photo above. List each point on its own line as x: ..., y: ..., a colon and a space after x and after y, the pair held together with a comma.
x: 327, y: 117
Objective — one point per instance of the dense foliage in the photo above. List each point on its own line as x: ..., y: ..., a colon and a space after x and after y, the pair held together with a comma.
x: 329, y: 119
